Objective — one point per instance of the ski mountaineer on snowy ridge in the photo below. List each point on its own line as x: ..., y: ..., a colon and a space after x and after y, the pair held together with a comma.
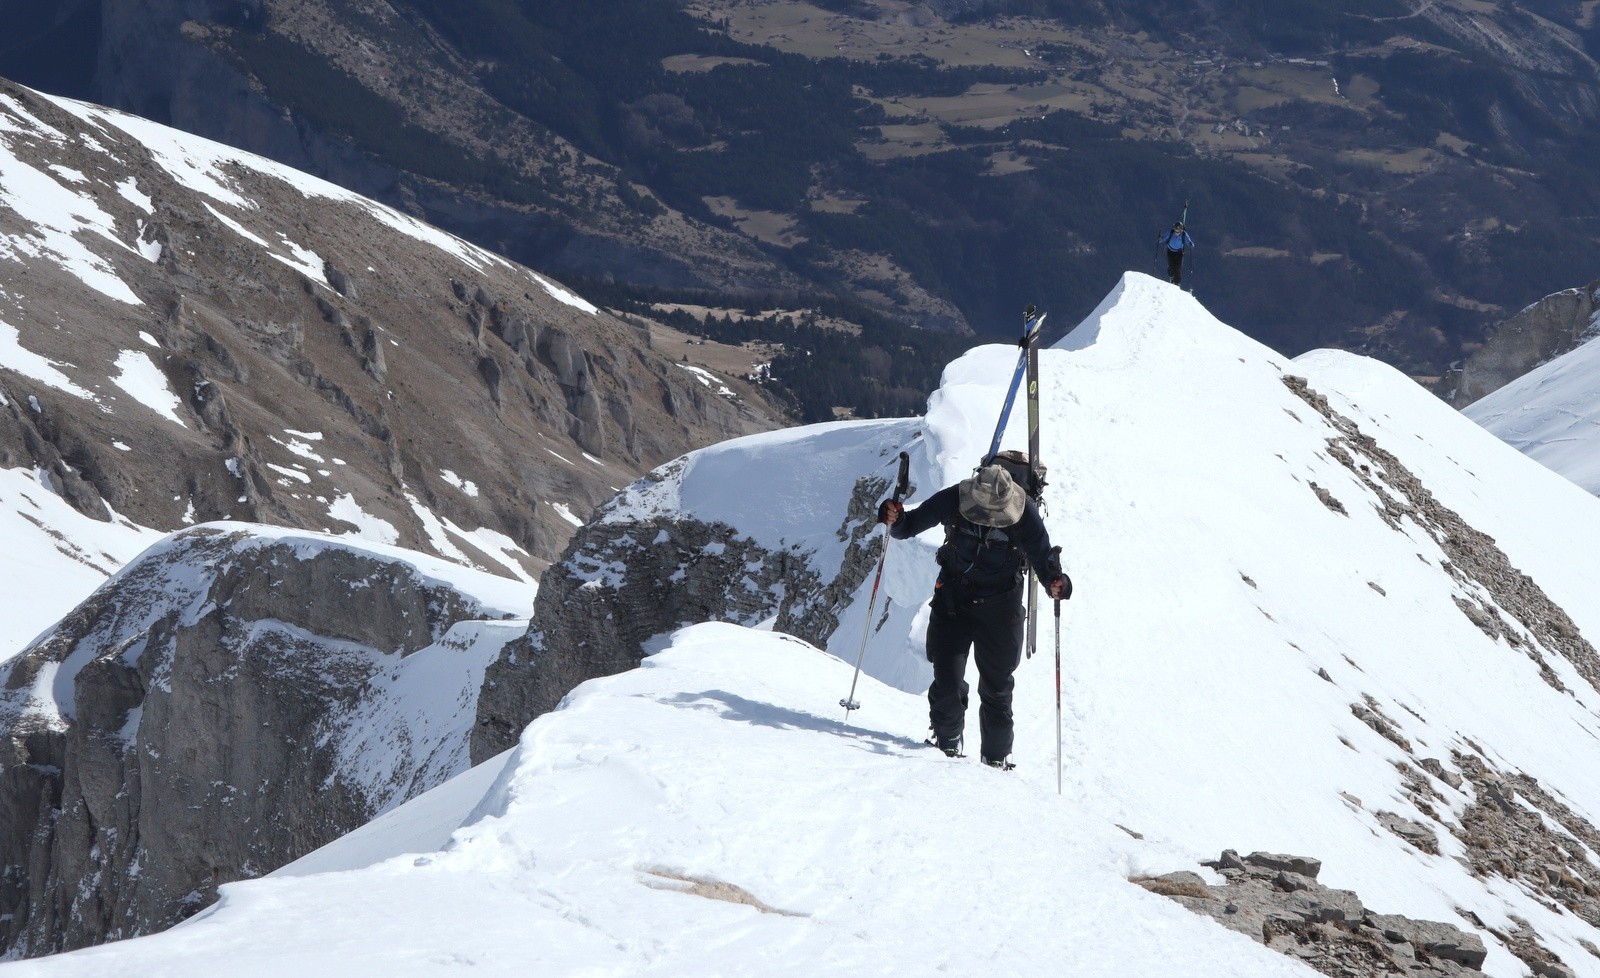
x: 1177, y: 242
x: 991, y: 526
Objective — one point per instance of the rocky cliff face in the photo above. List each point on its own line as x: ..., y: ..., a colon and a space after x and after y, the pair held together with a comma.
x: 1543, y: 331
x: 224, y: 705
x: 199, y: 334
x: 1276, y: 900
x: 636, y: 575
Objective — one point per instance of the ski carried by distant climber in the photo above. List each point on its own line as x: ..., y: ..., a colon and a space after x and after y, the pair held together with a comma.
x: 900, y: 488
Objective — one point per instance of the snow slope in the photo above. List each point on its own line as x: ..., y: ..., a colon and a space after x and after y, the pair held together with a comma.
x: 855, y: 838
x: 1252, y: 580
x: 1552, y: 413
x: 54, y: 556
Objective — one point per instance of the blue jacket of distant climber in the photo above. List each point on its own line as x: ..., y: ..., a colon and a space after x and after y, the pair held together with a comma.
x: 1177, y: 240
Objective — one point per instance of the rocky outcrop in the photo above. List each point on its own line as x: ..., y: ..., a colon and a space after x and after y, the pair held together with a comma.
x: 1538, y: 334
x: 621, y: 584
x: 223, y: 706
x: 1514, y: 829
x: 1490, y: 588
x: 1276, y: 900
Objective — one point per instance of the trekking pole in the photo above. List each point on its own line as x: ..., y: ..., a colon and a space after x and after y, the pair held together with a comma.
x: 1056, y: 551
x: 1058, y: 696
x: 1190, y: 254
x: 849, y: 702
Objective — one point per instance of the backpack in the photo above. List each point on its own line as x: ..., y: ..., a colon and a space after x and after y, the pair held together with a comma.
x: 985, y: 557
x: 1017, y: 466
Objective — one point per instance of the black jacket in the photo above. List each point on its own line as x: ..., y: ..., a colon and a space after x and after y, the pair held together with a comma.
x: 981, y: 561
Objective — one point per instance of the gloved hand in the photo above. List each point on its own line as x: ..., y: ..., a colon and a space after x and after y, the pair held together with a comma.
x: 1060, y: 588
x: 889, y: 510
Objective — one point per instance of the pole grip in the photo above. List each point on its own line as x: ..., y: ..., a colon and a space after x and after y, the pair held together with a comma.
x: 903, y: 481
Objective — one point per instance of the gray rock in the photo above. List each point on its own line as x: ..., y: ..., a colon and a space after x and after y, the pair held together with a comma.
x: 1323, y: 905
x: 1433, y: 938
x: 341, y: 282
x: 374, y: 360
x: 1540, y: 333
x: 1291, y: 882
x: 1179, y: 884
x: 1228, y: 860
x: 1436, y: 768
x: 1270, y: 862
x: 622, y: 583
x: 1414, y: 832
x: 1327, y: 928
x: 207, y: 738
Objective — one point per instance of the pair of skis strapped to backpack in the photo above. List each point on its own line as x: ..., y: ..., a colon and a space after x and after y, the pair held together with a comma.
x: 1031, y: 324
x: 1027, y: 368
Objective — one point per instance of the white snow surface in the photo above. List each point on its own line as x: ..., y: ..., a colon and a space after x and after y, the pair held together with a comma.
x: 142, y: 380
x: 573, y: 859
x: 564, y: 295
x: 346, y: 509
x: 57, y: 211
x: 1212, y: 584
x: 1552, y: 413
x: 16, y: 357
x: 54, y: 555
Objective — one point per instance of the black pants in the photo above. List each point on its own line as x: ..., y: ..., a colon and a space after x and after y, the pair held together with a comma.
x: 1174, y: 267
x: 993, y: 629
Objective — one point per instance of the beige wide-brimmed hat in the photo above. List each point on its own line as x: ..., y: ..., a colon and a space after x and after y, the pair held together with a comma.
x: 992, y: 498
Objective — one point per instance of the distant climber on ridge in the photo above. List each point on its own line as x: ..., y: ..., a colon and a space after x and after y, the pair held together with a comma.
x: 991, y: 526
x: 1177, y: 242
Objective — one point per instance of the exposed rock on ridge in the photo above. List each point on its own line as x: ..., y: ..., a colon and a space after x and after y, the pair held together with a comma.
x: 1277, y: 901
x: 213, y: 712
x: 622, y: 583
x: 1552, y: 326
x: 1538, y: 627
